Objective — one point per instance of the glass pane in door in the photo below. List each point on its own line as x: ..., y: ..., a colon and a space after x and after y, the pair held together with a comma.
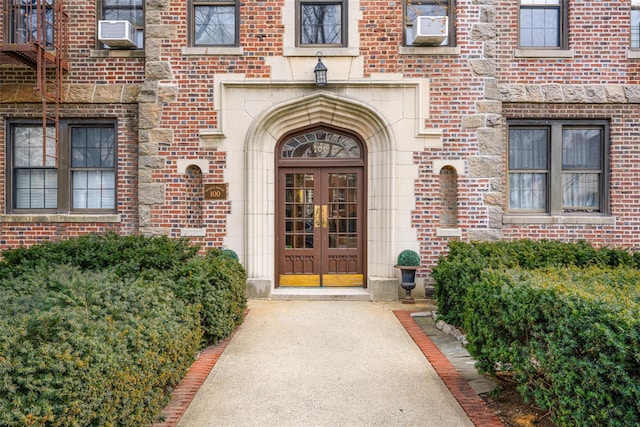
x: 342, y: 209
x: 298, y: 210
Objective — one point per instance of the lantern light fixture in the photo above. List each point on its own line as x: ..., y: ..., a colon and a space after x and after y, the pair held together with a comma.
x: 320, y: 71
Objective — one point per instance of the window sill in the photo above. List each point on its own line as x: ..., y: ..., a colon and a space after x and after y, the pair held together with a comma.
x: 429, y: 50
x: 558, y: 219
x: 117, y: 53
x: 633, y: 54
x: 212, y: 51
x: 543, y: 53
x: 448, y: 232
x: 326, y: 51
x: 69, y: 218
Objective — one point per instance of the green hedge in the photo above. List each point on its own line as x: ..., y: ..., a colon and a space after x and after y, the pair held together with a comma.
x: 95, y: 331
x: 80, y: 349
x: 570, y: 336
x: 456, y: 272
x: 217, y: 282
x: 127, y: 255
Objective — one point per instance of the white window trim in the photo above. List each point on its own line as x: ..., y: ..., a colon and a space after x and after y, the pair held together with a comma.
x: 68, y: 218
x: 353, y: 38
x: 429, y: 50
x: 212, y: 51
x: 543, y: 53
x: 599, y: 219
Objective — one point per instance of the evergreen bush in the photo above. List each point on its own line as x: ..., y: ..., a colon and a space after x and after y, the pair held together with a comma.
x: 84, y: 349
x: 570, y: 336
x: 408, y: 258
x: 457, y: 271
x: 95, y: 331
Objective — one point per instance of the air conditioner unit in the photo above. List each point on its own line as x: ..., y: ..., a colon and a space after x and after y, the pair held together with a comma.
x: 430, y: 30
x: 117, y: 34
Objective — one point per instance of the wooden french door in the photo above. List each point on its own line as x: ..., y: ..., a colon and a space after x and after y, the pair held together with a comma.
x: 320, y: 226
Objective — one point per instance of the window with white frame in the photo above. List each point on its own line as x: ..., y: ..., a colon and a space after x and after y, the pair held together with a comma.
x: 214, y: 23
x: 429, y: 23
x: 543, y: 23
x: 76, y: 175
x: 321, y: 23
x: 635, y: 24
x: 126, y: 10
x: 558, y: 167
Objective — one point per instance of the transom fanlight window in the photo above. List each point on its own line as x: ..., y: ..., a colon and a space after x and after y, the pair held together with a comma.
x: 321, y: 143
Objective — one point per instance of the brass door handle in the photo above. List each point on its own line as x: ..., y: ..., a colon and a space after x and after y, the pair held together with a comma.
x: 316, y: 216
x: 325, y: 216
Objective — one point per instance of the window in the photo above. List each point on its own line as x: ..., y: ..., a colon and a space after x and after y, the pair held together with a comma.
x: 126, y: 10
x: 543, y: 23
x: 23, y: 22
x: 441, y: 30
x: 77, y: 176
x: 558, y: 167
x: 322, y: 23
x: 214, y: 23
x: 635, y: 24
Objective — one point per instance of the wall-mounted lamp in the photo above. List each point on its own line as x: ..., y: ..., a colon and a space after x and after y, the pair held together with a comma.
x: 320, y: 71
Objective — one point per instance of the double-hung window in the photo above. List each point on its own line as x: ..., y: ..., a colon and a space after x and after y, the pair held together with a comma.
x: 543, y: 24
x: 214, y: 23
x: 635, y: 24
x: 429, y: 22
x: 558, y: 167
x: 126, y: 10
x: 321, y: 23
x: 76, y: 175
x: 31, y: 22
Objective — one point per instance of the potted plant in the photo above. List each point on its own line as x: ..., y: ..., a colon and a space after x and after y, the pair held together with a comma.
x: 408, y: 263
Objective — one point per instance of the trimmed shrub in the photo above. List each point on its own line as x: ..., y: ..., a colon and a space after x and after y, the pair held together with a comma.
x: 408, y: 258
x: 456, y: 272
x: 571, y: 337
x: 95, y: 331
x: 85, y: 349
x: 127, y: 255
x: 217, y: 282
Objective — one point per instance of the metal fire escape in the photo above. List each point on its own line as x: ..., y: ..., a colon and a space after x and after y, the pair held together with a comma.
x: 36, y: 36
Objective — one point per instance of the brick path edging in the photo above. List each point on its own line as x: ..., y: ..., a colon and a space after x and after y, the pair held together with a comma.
x: 476, y: 408
x: 186, y: 390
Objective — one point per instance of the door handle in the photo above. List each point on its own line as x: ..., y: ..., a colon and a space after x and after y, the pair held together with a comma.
x: 325, y: 216
x: 316, y: 216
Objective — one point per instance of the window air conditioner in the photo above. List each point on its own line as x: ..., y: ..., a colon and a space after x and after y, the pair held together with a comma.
x: 117, y: 34
x: 430, y: 30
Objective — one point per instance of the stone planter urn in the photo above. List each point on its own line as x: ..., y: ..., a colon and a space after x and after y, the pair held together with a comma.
x: 408, y: 263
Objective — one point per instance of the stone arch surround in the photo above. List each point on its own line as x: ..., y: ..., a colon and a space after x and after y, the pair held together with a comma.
x: 320, y: 107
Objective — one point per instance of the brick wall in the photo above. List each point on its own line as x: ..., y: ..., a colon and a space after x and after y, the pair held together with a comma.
x: 624, y: 178
x: 467, y: 91
x: 14, y: 234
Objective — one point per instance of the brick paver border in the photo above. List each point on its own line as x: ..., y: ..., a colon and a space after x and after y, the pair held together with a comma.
x: 186, y: 390
x: 476, y: 408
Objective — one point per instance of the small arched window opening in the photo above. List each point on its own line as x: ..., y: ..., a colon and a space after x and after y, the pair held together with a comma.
x: 448, y: 197
x: 194, y: 191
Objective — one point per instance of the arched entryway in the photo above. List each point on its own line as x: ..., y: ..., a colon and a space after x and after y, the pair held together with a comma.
x: 259, y: 161
x: 320, y: 209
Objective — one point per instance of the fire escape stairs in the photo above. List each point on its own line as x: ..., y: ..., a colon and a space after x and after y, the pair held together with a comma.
x: 36, y: 36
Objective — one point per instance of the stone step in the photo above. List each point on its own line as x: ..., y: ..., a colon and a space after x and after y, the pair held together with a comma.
x: 321, y: 294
